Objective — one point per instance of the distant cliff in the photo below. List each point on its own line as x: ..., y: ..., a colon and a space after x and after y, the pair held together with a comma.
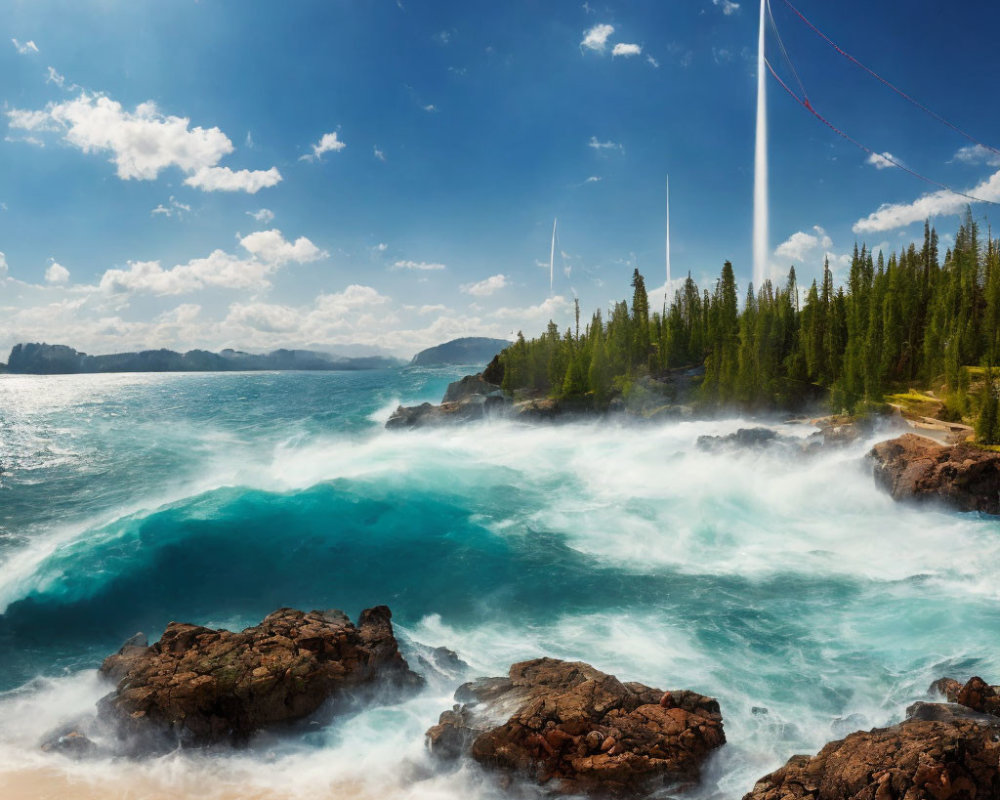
x: 470, y: 350
x: 58, y: 359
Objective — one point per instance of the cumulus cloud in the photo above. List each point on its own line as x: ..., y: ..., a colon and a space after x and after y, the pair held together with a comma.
x: 329, y: 142
x: 419, y: 266
x: 800, y: 245
x: 881, y: 161
x: 430, y: 107
x: 272, y: 248
x: 623, y: 49
x: 379, y: 154
x: 144, y: 142
x: 596, y: 38
x: 56, y: 273
x: 3, y: 265
x: 550, y: 308
x: 898, y: 215
x: 224, y: 179
x: 977, y: 154
x: 25, y: 48
x: 652, y: 62
x: 486, y: 287
x: 593, y: 179
x: 268, y: 250
x: 728, y: 7
x: 262, y: 215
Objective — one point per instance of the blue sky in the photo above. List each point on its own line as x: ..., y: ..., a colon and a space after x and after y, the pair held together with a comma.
x: 380, y: 174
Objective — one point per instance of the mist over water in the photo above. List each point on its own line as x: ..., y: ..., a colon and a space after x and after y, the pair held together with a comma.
x: 785, y: 585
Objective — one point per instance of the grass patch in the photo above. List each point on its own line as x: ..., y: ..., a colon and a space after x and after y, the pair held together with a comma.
x: 915, y: 404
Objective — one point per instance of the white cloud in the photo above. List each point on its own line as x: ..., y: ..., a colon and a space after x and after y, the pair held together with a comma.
x: 3, y: 265
x: 56, y: 273
x: 623, y: 49
x: 144, y: 142
x: 379, y: 154
x: 430, y: 107
x: 328, y: 142
x: 381, y: 247
x: 432, y: 309
x: 593, y: 179
x: 269, y: 251
x: 25, y: 48
x: 898, y: 215
x: 550, y: 308
x: 801, y: 245
x: 262, y: 215
x: 596, y: 38
x: 596, y: 144
x: 652, y: 62
x: 224, y: 179
x: 977, y: 154
x: 175, y: 208
x: 728, y: 7
x: 272, y: 248
x: 881, y: 161
x: 486, y: 287
x: 58, y: 80
x: 419, y: 266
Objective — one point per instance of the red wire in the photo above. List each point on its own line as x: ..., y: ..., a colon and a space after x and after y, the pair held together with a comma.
x: 887, y: 157
x: 896, y: 89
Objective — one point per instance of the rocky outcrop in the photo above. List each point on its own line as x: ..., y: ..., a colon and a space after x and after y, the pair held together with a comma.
x: 577, y: 729
x: 465, y: 400
x: 208, y: 685
x: 976, y: 694
x: 744, y: 438
x: 941, y: 752
x: 911, y: 467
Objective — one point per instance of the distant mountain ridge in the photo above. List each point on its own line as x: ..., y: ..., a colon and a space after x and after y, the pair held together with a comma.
x: 59, y: 359
x: 467, y: 350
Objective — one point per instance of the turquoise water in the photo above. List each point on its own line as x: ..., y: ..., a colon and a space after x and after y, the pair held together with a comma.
x: 769, y: 580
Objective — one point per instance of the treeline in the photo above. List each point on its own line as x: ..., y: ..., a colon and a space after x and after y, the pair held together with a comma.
x: 914, y: 318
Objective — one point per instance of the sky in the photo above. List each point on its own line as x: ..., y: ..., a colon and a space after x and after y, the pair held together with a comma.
x: 383, y: 175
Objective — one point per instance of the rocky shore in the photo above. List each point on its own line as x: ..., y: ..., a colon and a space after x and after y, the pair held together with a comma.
x: 565, y: 726
x: 915, y: 468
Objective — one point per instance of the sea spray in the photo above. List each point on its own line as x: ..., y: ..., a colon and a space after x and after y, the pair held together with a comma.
x: 785, y: 584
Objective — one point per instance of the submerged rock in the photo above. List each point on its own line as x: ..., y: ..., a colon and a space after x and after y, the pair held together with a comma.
x: 216, y: 685
x: 577, y: 729
x: 743, y: 438
x: 911, y: 467
x: 941, y: 752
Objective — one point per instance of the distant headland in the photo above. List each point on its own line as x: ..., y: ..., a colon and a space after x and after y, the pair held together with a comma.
x: 467, y: 350
x: 59, y: 359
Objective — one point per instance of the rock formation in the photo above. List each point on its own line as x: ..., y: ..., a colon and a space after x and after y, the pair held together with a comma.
x: 975, y: 694
x: 215, y: 685
x: 575, y: 728
x: 911, y: 467
x: 468, y: 399
x: 941, y: 752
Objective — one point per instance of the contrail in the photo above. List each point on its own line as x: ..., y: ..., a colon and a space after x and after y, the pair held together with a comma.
x: 668, y: 230
x: 552, y: 257
x: 760, y: 207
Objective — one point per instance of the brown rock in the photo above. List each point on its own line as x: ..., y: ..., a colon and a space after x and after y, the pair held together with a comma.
x: 975, y: 694
x: 911, y: 467
x: 939, y: 753
x: 216, y: 685
x: 576, y: 729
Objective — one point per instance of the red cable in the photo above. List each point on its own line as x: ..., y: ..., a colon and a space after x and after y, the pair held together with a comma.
x: 887, y: 157
x: 896, y: 89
